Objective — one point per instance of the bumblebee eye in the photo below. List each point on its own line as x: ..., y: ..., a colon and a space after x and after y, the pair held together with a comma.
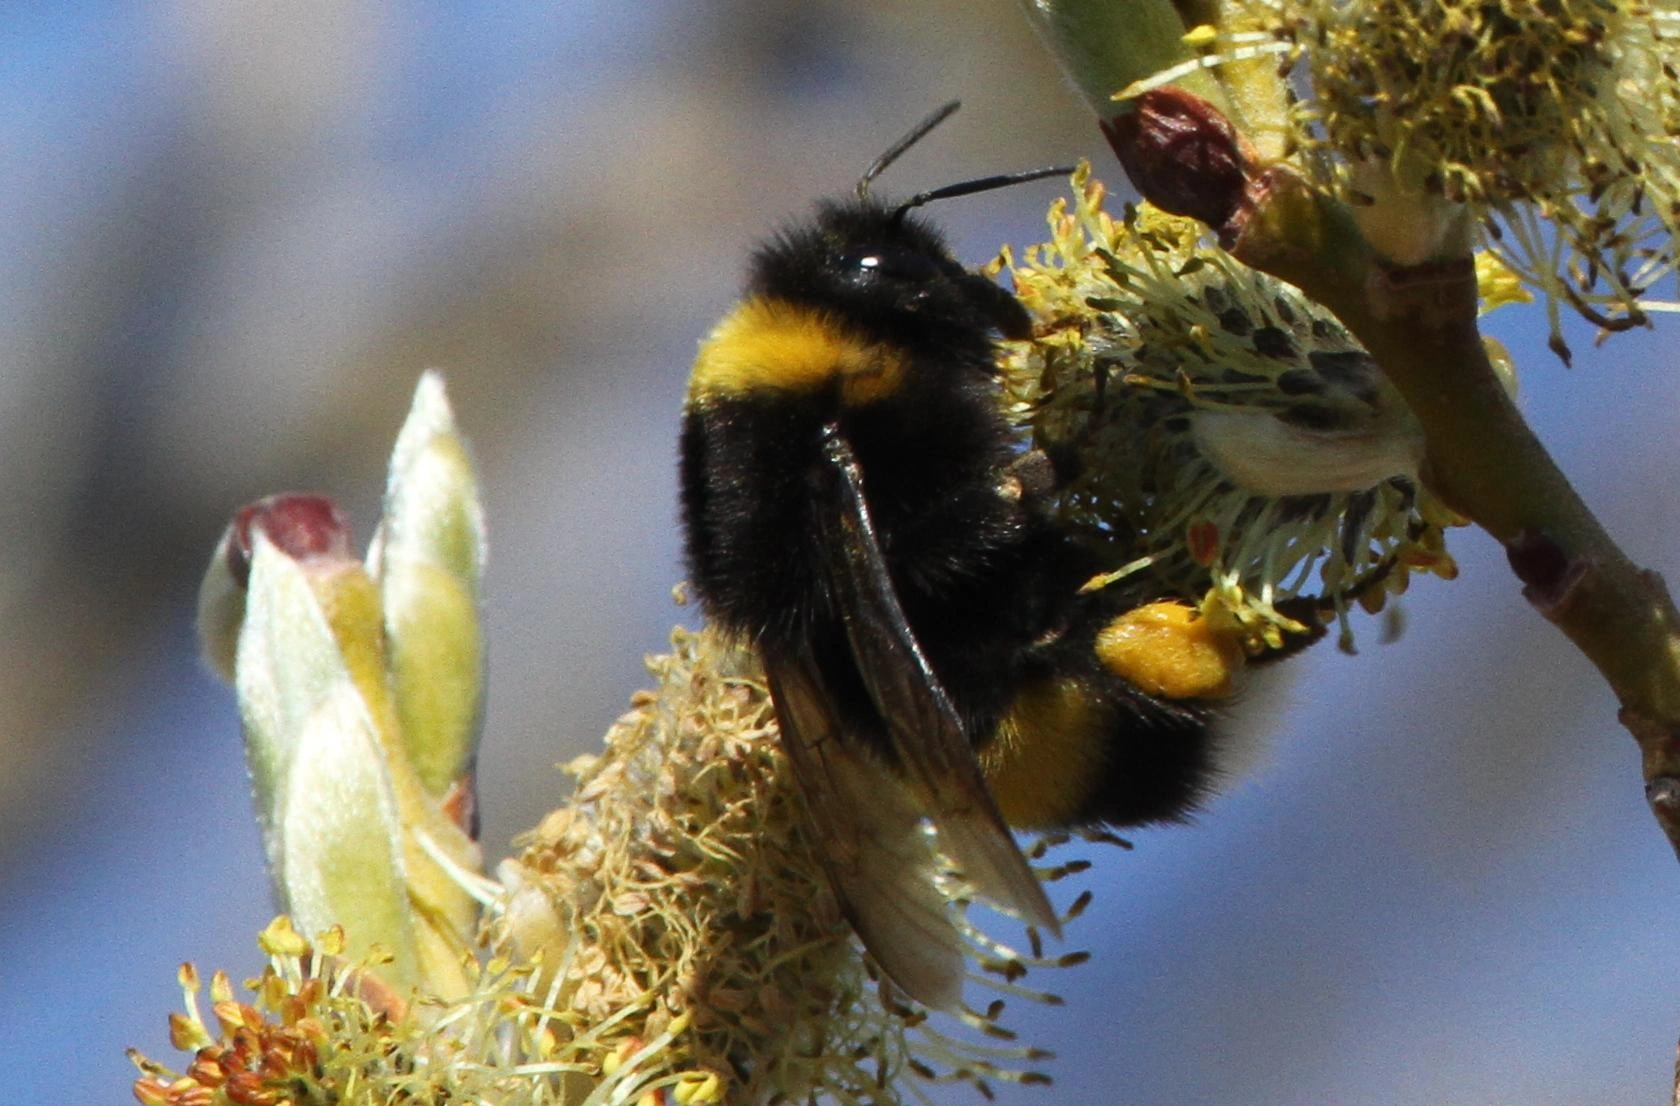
x: 899, y: 266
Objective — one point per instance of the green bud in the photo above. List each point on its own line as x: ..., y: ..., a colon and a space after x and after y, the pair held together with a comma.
x: 1108, y: 45
x: 1115, y: 50
x: 353, y: 836
x: 323, y: 795
x: 301, y: 524
x: 429, y: 561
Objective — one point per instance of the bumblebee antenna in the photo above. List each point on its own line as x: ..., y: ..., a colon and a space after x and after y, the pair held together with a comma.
x: 961, y: 188
x: 979, y: 184
x: 917, y: 133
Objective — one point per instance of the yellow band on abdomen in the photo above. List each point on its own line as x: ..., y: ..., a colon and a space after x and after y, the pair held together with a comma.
x: 1047, y: 754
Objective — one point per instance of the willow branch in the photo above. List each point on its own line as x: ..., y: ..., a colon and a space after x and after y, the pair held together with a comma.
x: 1483, y: 459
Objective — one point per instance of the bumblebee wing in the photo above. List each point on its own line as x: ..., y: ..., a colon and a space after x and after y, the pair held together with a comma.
x: 921, y: 724
x: 868, y: 832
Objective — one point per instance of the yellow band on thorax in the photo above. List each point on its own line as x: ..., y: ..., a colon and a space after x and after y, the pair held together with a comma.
x: 772, y: 345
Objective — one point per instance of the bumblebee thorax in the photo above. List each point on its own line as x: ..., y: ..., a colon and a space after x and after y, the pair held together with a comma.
x: 767, y: 346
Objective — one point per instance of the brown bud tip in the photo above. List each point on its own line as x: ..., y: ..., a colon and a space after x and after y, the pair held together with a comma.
x: 299, y: 523
x: 460, y: 803
x: 1542, y: 565
x: 1182, y: 155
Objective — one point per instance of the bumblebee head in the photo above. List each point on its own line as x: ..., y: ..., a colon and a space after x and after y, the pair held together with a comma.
x: 888, y: 277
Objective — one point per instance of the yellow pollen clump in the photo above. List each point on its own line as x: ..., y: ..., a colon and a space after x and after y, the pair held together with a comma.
x: 1172, y: 650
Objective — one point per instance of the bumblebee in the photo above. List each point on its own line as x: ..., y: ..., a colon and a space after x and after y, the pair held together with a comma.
x: 856, y: 506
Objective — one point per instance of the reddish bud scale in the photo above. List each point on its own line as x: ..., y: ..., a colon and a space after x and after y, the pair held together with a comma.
x: 1183, y: 155
x: 460, y: 803
x: 299, y: 523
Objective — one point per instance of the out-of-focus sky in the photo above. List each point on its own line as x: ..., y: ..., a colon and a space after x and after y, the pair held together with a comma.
x: 233, y: 236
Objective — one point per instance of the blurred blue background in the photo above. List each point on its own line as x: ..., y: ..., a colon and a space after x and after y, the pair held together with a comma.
x: 235, y: 233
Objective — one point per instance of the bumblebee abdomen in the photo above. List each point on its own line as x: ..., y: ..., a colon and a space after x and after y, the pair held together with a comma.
x: 1081, y: 743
